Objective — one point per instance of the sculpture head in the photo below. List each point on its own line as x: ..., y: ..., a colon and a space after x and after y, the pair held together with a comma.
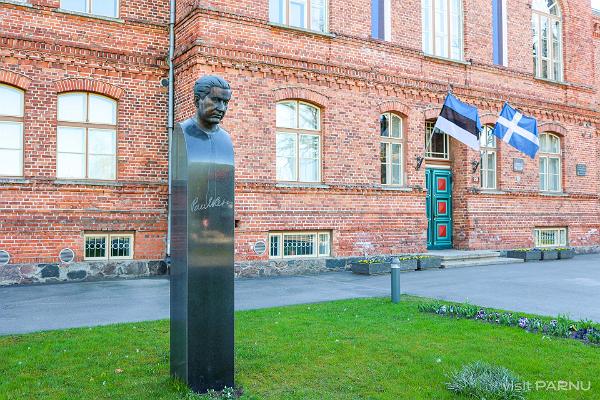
x: 211, y: 98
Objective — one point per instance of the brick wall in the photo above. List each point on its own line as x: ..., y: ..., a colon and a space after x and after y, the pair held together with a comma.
x: 350, y: 76
x: 354, y: 78
x: 45, y: 52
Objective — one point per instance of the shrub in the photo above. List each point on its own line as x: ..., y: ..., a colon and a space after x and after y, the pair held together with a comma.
x: 485, y: 381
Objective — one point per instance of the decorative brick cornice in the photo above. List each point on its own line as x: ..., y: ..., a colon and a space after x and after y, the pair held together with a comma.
x: 335, y: 77
x: 297, y: 92
x: 46, y: 50
x: 88, y: 85
x: 14, y: 79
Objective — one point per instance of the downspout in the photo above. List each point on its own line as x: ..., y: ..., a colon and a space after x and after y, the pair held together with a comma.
x: 170, y: 118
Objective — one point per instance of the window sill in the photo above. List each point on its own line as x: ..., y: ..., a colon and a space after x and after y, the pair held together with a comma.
x: 295, y: 28
x: 16, y: 3
x: 396, y: 188
x: 81, y: 14
x: 491, y: 191
x: 557, y: 194
x: 553, y: 82
x: 306, y: 185
x: 444, y: 59
x: 87, y: 182
x: 15, y: 179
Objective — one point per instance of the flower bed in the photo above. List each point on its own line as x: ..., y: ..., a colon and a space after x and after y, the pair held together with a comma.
x: 560, y: 253
x: 586, y: 331
x: 372, y: 266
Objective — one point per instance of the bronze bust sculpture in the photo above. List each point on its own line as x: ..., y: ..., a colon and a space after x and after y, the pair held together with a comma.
x: 202, y: 246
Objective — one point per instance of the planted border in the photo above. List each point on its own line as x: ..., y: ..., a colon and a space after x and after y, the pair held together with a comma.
x: 584, y: 330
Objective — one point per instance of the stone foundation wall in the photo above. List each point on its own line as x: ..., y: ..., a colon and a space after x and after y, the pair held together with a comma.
x: 15, y: 274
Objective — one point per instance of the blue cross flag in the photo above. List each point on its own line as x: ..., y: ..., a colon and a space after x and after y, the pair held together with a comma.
x: 518, y: 130
x: 460, y: 120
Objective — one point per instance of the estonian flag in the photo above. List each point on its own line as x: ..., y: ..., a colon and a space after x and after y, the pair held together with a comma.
x: 519, y: 131
x: 461, y: 121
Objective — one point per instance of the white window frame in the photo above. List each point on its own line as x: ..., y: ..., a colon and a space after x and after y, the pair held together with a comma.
x: 301, y: 133
x: 17, y: 119
x: 445, y: 155
x: 388, y: 141
x: 89, y: 7
x: 560, y: 237
x: 86, y: 126
x: 537, y: 16
x: 547, y: 155
x: 387, y: 21
x: 317, y: 247
x: 429, y: 29
x: 286, y: 10
x: 486, y: 151
x: 108, y: 238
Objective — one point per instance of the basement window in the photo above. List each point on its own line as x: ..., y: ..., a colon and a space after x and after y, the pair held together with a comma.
x: 299, y: 244
x: 550, y: 237
x: 108, y: 246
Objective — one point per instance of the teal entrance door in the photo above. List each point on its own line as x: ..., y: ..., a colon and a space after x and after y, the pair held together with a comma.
x: 439, y: 208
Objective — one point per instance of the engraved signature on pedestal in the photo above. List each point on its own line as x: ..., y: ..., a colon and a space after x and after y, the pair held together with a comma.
x: 212, y: 202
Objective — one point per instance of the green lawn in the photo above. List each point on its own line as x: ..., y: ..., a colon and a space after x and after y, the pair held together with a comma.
x: 355, y: 349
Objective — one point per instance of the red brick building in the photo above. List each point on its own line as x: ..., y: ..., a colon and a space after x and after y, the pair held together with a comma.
x: 333, y: 104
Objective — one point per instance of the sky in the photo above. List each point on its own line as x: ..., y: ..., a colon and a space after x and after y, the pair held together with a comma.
x: 596, y: 4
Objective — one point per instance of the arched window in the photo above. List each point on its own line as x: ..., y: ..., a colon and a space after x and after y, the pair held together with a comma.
x: 392, y: 149
x: 488, y: 158
x: 86, y: 136
x: 547, y: 39
x: 11, y: 131
x: 437, y: 144
x: 443, y: 28
x: 298, y: 142
x: 550, y: 166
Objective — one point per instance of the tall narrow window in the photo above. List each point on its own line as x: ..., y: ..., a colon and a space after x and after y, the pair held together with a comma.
x: 298, y: 142
x: 546, y: 27
x: 550, y: 165
x: 437, y: 143
x: 105, y: 8
x: 306, y: 14
x: 488, y: 158
x: 443, y: 28
x: 499, y: 28
x: 392, y: 147
x: 381, y: 21
x: 86, y: 137
x: 11, y: 131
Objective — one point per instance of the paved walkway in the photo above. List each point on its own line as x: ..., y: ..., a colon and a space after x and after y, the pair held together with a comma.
x: 566, y: 287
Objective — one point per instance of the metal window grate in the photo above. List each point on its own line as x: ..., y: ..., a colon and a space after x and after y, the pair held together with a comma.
x: 95, y: 247
x: 120, y: 246
x: 550, y: 237
x: 299, y: 245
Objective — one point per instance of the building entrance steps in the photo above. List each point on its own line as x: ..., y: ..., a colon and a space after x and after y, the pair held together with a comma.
x: 471, y: 258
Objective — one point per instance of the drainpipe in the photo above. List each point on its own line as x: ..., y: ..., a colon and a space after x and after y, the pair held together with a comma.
x: 170, y: 124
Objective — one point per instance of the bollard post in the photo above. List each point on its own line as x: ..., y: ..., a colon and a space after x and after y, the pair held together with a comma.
x: 395, y: 281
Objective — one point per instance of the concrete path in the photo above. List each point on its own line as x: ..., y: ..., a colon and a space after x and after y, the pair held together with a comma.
x: 549, y: 288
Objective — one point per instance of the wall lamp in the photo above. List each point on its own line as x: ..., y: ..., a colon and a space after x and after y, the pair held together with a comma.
x: 419, y: 162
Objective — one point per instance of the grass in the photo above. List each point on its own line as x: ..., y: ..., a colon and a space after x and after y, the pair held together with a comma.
x: 354, y: 349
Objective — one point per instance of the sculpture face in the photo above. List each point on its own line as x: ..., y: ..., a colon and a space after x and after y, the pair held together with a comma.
x: 212, y: 108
